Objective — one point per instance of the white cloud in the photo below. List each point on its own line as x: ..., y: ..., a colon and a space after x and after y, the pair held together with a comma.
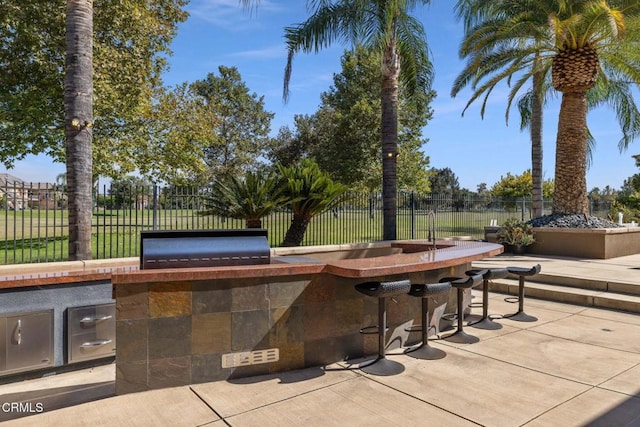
x: 229, y: 14
x: 269, y: 52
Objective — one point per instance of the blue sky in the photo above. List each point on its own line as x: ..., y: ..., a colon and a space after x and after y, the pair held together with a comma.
x: 219, y: 32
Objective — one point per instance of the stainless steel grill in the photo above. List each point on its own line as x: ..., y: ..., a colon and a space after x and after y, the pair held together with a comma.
x: 203, y: 248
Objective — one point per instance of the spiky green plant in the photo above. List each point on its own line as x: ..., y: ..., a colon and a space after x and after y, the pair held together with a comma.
x: 309, y: 191
x: 250, y: 198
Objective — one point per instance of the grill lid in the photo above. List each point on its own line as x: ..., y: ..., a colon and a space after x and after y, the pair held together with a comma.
x: 203, y: 248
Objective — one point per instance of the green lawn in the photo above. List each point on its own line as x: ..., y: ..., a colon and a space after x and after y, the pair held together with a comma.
x: 38, y: 236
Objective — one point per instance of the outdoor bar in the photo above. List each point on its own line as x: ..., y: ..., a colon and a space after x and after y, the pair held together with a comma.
x: 179, y: 326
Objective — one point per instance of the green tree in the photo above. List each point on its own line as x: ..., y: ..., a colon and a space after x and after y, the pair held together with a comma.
x: 242, y: 126
x: 309, y: 191
x: 209, y: 128
x: 130, y: 43
x: 511, y: 187
x: 634, y: 180
x: 130, y: 192
x: 180, y: 126
x: 388, y: 28
x: 348, y: 128
x: 251, y: 198
x: 290, y: 146
x: 48, y: 54
x: 591, y: 48
x: 444, y: 181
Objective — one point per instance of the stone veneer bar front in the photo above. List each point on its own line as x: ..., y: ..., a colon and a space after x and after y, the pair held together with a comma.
x: 174, y: 326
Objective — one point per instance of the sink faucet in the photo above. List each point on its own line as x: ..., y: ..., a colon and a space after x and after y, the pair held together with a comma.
x: 431, y: 228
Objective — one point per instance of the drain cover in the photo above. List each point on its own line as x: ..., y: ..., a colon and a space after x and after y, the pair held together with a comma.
x: 246, y: 358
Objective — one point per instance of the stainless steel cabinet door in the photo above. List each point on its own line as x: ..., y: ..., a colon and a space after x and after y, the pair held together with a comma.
x: 28, y: 340
x: 91, y: 332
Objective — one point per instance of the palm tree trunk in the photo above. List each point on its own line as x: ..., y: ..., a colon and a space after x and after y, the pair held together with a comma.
x: 570, y: 192
x: 390, y: 72
x: 78, y: 106
x: 253, y: 223
x: 536, y: 146
x: 296, y: 231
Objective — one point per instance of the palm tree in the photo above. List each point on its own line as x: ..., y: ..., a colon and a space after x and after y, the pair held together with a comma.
x: 309, y: 192
x: 590, y: 48
x: 592, y: 40
x: 78, y: 107
x: 489, y: 33
x: 250, y: 198
x: 386, y: 27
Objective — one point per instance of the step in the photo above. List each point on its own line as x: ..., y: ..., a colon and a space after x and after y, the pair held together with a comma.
x: 584, y: 283
x: 597, y: 298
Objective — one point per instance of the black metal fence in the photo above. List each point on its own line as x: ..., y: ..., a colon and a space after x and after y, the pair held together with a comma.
x: 34, y: 219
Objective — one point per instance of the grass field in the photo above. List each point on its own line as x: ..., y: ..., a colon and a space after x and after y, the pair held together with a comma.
x: 37, y: 236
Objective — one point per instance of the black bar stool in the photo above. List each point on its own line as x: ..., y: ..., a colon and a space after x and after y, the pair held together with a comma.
x: 381, y: 290
x: 522, y: 272
x: 485, y: 321
x: 426, y: 291
x: 462, y: 283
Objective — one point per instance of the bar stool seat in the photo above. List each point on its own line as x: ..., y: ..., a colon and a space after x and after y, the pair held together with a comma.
x: 522, y: 272
x: 485, y: 321
x: 426, y: 291
x: 462, y: 283
x: 381, y: 290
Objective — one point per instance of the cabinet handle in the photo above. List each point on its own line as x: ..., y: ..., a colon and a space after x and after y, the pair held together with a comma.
x: 98, y: 343
x: 95, y: 319
x: 17, y: 335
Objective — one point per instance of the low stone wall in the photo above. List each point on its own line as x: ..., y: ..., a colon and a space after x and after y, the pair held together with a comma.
x: 601, y: 243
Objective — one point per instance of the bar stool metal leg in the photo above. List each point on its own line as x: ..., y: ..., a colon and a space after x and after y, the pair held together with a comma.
x: 485, y: 321
x: 460, y: 336
x: 520, y: 315
x: 381, y: 365
x: 425, y: 351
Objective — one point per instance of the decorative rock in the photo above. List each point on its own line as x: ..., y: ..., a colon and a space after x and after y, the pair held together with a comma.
x: 571, y: 221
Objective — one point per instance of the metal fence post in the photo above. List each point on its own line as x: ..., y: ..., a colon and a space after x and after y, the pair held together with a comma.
x: 413, y: 215
x: 155, y: 207
x: 371, y: 207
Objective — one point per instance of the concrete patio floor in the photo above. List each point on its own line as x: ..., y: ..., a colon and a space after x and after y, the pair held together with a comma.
x: 575, y: 366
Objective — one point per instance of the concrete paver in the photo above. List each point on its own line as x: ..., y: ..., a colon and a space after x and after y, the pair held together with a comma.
x: 167, y: 407
x: 563, y: 358
x: 595, y: 408
x: 600, y: 332
x: 357, y: 402
x: 627, y: 382
x: 485, y: 390
x: 234, y: 397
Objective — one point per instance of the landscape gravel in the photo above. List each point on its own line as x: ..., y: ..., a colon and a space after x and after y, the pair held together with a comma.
x: 572, y: 221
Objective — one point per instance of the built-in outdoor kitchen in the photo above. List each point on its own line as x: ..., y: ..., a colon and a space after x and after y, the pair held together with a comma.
x: 178, y: 326
x: 210, y: 305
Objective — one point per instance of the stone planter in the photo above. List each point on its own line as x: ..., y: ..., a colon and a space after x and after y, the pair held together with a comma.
x: 600, y: 243
x: 516, y: 249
